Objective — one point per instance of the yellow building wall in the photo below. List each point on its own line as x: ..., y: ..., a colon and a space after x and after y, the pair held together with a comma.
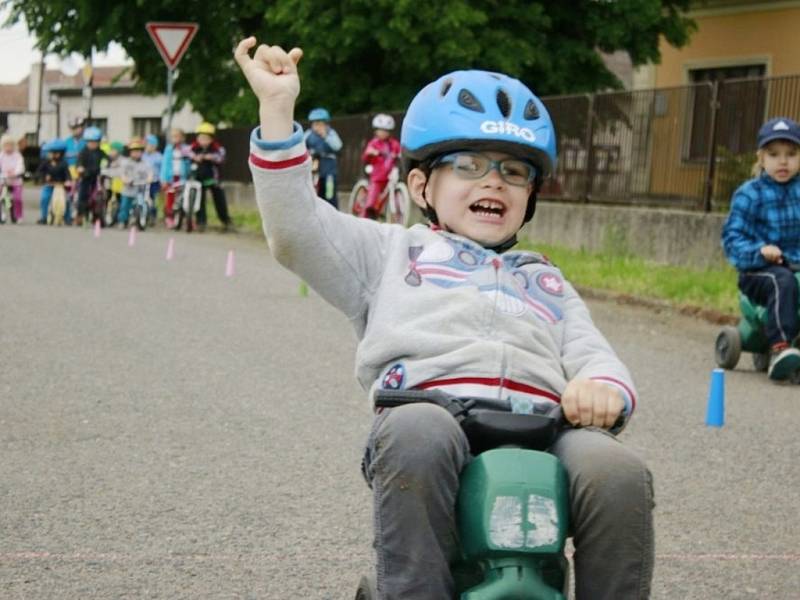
x: 768, y: 36
x: 724, y: 39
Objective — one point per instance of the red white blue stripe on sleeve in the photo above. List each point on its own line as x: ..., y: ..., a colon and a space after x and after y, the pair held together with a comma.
x: 278, y: 155
x: 627, y: 393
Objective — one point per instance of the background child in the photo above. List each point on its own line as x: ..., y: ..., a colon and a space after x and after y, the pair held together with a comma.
x: 324, y: 144
x: 90, y: 159
x: 175, y: 165
x: 761, y: 238
x: 153, y: 158
x: 112, y: 172
x: 12, y: 166
x: 448, y: 307
x: 136, y: 176
x: 381, y: 153
x: 208, y: 155
x: 53, y: 172
x: 73, y: 145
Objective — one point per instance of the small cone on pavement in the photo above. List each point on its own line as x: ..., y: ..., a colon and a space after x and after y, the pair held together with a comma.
x: 303, y: 289
x: 715, y: 413
x: 171, y: 248
x: 229, y: 266
x: 97, y: 228
x: 132, y: 237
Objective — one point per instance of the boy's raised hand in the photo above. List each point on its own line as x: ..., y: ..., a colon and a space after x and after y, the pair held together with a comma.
x: 591, y: 403
x: 272, y: 75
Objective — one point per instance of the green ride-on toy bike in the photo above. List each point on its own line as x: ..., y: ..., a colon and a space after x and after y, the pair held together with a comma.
x: 748, y: 335
x: 513, y: 501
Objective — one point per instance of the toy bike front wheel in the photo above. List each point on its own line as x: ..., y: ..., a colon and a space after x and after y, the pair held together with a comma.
x: 728, y: 347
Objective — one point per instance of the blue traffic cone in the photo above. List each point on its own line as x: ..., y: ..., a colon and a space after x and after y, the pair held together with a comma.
x: 715, y: 414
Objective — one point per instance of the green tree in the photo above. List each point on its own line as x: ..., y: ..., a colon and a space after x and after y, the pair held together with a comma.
x: 363, y: 55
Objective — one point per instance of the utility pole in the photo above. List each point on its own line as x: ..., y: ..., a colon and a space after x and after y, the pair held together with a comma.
x: 39, y: 101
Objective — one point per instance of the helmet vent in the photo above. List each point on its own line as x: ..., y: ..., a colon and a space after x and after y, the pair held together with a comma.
x: 503, y: 103
x: 531, y: 111
x: 468, y: 100
x: 446, y: 85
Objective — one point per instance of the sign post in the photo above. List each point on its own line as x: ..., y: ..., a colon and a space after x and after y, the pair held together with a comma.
x: 87, y: 73
x: 172, y: 40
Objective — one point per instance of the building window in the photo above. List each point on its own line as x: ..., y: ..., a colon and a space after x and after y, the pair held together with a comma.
x: 742, y: 103
x: 144, y: 126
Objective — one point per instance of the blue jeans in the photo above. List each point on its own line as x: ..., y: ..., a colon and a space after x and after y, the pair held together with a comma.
x: 125, y: 204
x: 774, y: 287
x: 44, y: 202
x: 413, y: 459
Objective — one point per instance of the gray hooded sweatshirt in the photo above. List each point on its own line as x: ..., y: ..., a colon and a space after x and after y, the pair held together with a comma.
x: 432, y: 309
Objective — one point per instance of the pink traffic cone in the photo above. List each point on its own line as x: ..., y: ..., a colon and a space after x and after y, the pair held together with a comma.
x: 132, y: 236
x: 229, y: 266
x: 97, y: 228
x: 171, y: 248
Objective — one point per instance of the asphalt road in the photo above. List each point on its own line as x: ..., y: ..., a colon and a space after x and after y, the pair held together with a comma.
x: 169, y: 432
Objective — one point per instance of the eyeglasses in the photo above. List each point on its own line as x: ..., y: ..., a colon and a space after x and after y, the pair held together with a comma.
x: 473, y: 165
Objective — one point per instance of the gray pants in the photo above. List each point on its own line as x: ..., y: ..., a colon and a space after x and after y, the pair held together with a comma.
x: 412, y: 462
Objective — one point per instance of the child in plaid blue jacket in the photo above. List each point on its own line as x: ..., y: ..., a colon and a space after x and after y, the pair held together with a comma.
x: 761, y: 238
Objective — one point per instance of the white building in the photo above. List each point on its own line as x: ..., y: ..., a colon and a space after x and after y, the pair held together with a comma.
x: 116, y: 107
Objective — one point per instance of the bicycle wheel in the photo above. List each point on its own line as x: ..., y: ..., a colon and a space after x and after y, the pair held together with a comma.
x: 3, y: 211
x: 140, y: 216
x: 99, y: 207
x: 398, y: 209
x: 190, y: 204
x: 110, y: 212
x: 358, y: 197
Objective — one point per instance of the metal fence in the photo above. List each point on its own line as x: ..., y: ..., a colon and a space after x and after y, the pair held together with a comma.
x: 683, y: 147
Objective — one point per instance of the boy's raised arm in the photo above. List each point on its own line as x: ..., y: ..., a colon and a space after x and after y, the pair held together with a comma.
x: 272, y: 75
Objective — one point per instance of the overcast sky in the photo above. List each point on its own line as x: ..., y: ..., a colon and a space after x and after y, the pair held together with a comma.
x: 16, y: 41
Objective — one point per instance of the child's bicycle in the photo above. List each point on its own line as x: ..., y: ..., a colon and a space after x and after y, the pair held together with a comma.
x: 186, y: 207
x: 97, y: 201
x: 58, y: 205
x: 6, y: 204
x: 394, y: 203
x: 513, y: 502
x: 748, y: 335
x: 142, y: 205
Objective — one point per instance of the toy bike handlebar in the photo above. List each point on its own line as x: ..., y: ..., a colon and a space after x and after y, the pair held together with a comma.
x: 487, y: 423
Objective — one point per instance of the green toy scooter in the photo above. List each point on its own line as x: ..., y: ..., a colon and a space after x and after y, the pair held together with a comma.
x: 748, y: 335
x: 512, y: 507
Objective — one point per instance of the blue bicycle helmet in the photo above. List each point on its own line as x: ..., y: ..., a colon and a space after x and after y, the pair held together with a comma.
x: 480, y: 110
x: 92, y: 134
x: 55, y: 145
x: 319, y: 114
x: 152, y: 140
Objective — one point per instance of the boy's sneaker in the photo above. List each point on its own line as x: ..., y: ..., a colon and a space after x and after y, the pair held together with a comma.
x: 784, y: 361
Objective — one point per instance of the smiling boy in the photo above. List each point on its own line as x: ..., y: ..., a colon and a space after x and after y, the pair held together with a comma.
x: 450, y: 307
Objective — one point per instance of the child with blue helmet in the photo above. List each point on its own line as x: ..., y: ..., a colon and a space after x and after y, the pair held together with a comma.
x: 324, y: 144
x: 450, y: 307
x: 53, y: 172
x: 153, y: 157
x: 90, y: 162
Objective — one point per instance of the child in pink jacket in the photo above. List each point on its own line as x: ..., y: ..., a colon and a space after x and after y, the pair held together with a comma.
x: 381, y: 154
x: 12, y: 168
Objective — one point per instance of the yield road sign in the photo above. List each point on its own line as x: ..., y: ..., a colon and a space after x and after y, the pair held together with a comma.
x: 171, y: 39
